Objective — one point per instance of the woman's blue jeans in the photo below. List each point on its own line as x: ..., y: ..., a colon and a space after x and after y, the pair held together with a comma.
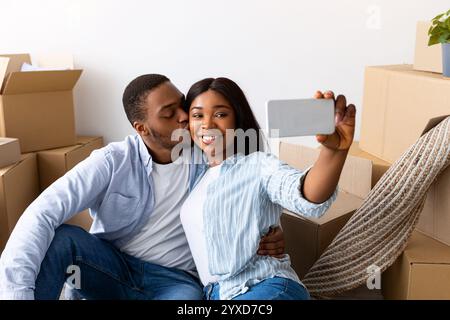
x: 275, y: 288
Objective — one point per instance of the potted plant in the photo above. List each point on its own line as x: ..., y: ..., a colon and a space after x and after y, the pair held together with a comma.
x: 439, y: 32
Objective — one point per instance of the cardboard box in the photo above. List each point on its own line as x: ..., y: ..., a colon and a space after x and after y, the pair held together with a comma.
x: 19, y: 186
x: 434, y: 220
x: 397, y: 104
x: 36, y: 107
x: 421, y: 272
x: 426, y: 58
x: 307, y: 238
x: 54, y: 163
x: 356, y: 175
x: 9, y: 151
x: 379, y: 167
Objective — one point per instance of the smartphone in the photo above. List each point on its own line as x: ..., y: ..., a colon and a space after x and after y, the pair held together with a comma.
x: 299, y: 117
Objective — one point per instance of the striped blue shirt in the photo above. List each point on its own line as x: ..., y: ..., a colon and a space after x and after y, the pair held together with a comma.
x: 240, y: 206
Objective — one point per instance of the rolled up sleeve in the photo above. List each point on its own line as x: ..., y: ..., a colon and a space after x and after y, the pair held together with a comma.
x: 283, y: 185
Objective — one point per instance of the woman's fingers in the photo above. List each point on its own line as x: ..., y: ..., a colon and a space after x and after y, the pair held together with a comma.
x: 318, y: 95
x: 275, y: 235
x: 350, y: 113
x: 324, y: 95
x: 329, y: 94
x: 341, y: 104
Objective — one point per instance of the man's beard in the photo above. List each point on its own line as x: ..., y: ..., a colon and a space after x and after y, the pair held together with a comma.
x: 164, y: 141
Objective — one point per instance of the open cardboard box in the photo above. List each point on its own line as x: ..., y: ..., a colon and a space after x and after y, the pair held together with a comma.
x: 379, y: 166
x: 36, y: 106
x: 307, y: 238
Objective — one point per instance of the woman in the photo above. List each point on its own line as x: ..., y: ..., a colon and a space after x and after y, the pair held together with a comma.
x: 242, y: 193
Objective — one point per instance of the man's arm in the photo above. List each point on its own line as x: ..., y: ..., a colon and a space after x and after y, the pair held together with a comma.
x: 77, y: 190
x: 272, y: 244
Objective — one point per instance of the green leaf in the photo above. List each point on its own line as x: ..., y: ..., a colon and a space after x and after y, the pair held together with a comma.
x: 437, y: 17
x: 444, y: 37
x: 439, y: 32
x: 433, y: 40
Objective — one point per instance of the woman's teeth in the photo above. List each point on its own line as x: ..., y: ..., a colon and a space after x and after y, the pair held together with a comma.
x: 208, y: 139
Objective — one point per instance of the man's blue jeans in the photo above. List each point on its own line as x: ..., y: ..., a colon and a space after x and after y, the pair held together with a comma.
x: 107, y: 273
x: 275, y: 288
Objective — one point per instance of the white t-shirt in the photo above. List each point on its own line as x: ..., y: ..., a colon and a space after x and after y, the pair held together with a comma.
x: 162, y: 240
x: 192, y: 220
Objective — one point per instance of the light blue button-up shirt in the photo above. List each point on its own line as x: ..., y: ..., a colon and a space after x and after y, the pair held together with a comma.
x: 241, y: 204
x: 114, y: 182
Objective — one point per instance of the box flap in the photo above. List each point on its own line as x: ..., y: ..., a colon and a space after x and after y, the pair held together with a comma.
x: 16, y: 61
x: 41, y: 81
x: 356, y: 151
x: 356, y: 176
x: 379, y: 166
x: 14, y: 64
x: 344, y: 204
x: 3, y: 67
x: 423, y: 249
x: 433, y: 123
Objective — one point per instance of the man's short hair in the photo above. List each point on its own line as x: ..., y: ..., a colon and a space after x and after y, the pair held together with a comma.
x: 136, y: 92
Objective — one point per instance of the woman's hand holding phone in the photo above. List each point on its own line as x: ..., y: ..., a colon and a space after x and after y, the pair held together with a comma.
x: 342, y: 137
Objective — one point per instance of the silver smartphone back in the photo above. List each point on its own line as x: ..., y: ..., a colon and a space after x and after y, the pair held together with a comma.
x: 300, y: 117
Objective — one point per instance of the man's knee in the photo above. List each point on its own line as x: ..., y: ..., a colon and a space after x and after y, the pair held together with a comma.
x: 180, y: 292
x: 66, y: 236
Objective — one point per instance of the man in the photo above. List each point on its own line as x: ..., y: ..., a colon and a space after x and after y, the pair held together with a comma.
x: 136, y: 248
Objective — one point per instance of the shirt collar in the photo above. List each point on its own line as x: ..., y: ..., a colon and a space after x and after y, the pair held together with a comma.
x: 145, y: 156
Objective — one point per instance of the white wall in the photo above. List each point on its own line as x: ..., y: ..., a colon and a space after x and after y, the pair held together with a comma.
x: 273, y: 49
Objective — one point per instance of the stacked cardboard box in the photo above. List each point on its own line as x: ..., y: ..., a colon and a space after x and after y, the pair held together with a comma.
x: 19, y: 186
x: 9, y: 151
x: 307, y: 238
x: 30, y: 102
x: 398, y: 103
x: 421, y: 272
x: 37, y: 115
x: 54, y: 163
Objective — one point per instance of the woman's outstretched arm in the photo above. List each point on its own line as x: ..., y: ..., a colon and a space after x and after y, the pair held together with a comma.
x: 322, y: 179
